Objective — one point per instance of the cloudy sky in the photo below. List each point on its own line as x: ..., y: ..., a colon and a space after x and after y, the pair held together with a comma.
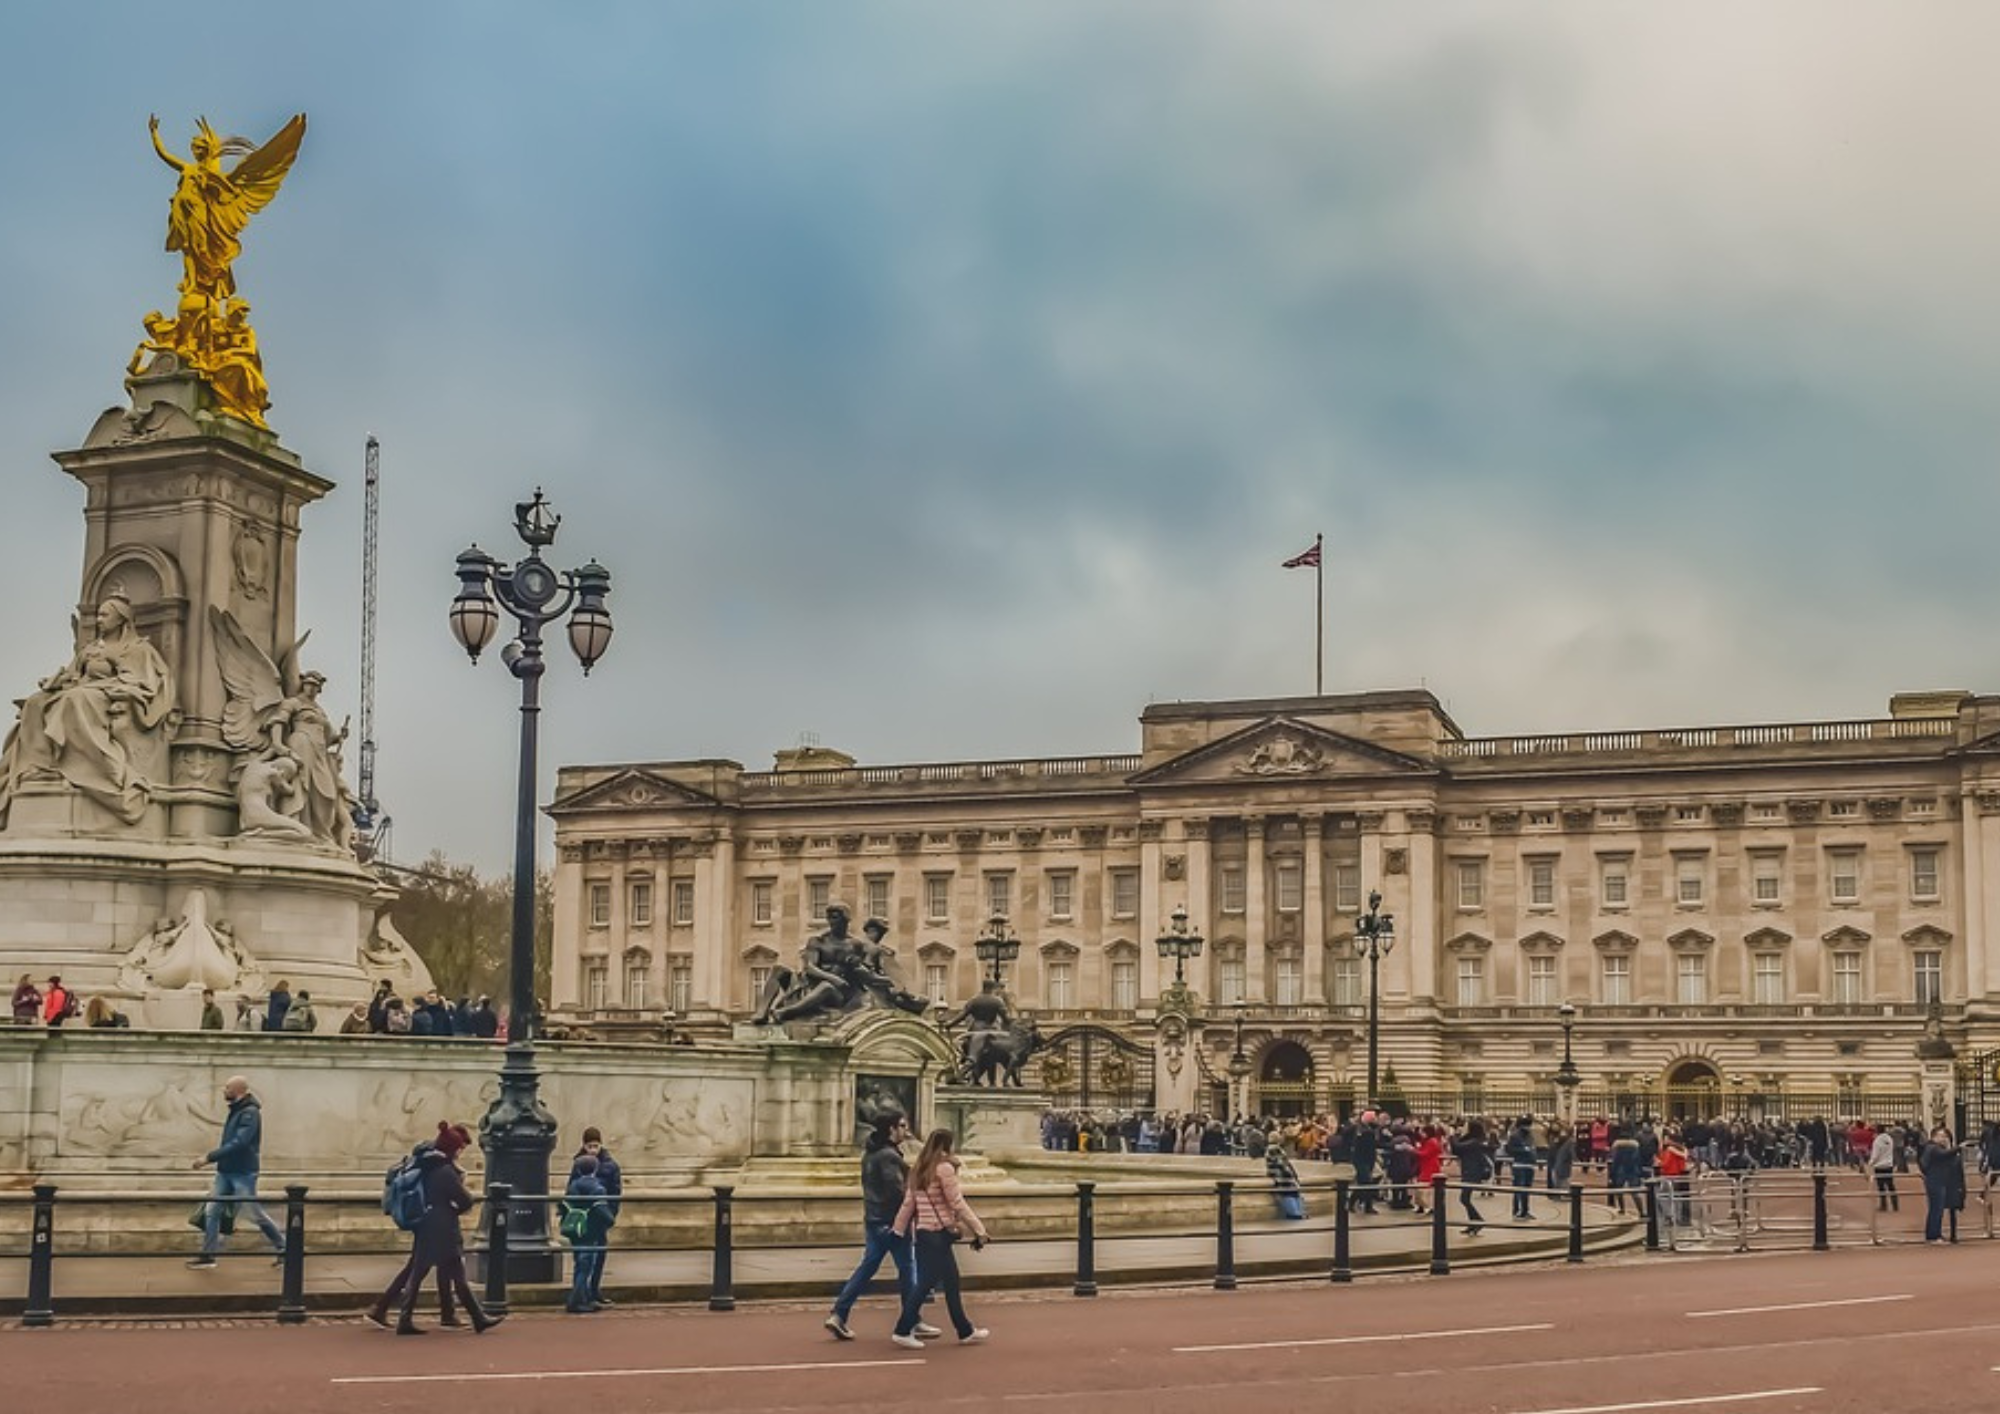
x: 949, y: 380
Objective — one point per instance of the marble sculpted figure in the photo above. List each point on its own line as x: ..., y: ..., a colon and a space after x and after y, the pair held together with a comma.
x: 89, y: 723
x: 287, y: 775
x: 210, y: 331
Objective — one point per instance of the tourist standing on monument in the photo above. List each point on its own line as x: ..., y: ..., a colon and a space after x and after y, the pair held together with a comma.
x: 300, y: 1018
x: 613, y: 1180
x: 934, y: 1212
x: 884, y: 1179
x: 211, y: 1014
x: 58, y: 1003
x: 27, y: 1001
x: 237, y: 1159
x: 355, y: 1023
x: 438, y: 1244
x: 277, y: 1005
x: 378, y: 1006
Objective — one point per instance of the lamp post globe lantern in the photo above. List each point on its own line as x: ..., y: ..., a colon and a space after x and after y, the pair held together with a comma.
x: 518, y: 1132
x: 1180, y: 943
x: 998, y: 946
x: 1566, y: 1073
x: 1374, y: 939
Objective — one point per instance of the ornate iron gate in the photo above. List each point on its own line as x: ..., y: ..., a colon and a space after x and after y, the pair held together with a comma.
x: 1093, y: 1067
x: 1978, y: 1094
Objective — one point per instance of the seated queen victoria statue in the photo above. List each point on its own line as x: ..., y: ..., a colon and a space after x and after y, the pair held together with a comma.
x: 82, y: 725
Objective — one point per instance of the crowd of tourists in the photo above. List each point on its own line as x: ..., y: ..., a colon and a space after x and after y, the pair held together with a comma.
x: 427, y: 1014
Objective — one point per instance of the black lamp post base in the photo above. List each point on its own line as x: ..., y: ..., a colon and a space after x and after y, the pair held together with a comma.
x: 518, y: 1135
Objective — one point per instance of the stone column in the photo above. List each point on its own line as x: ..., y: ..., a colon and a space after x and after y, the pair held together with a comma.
x: 1255, y: 917
x: 1979, y: 820
x: 1313, y: 827
x: 1417, y: 917
x: 1200, y: 897
x: 1152, y: 915
x: 715, y: 924
x: 566, y: 959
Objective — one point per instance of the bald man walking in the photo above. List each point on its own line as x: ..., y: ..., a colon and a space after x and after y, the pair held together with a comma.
x: 236, y: 1161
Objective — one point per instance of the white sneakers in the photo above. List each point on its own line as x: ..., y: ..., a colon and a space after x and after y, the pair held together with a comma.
x: 914, y: 1341
x: 926, y: 1331
x: 908, y: 1342
x: 977, y: 1337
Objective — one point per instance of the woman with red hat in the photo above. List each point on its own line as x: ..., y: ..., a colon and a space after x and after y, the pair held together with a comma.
x: 438, y: 1244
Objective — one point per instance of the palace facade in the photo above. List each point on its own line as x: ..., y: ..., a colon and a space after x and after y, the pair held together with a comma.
x: 1754, y: 909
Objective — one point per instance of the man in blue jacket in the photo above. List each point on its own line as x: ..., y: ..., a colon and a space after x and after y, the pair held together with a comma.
x: 236, y: 1161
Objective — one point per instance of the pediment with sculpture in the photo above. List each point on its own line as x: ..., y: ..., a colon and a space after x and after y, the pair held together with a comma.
x: 1282, y: 749
x: 632, y: 790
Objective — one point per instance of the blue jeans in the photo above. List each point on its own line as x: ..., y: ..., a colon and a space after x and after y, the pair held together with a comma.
x: 882, y: 1242
x: 588, y: 1274
x: 240, y: 1189
x: 1524, y: 1184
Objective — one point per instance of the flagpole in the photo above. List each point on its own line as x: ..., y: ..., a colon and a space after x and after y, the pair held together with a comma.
x: 1319, y: 617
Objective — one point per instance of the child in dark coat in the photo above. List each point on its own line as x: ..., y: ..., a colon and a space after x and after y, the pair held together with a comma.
x: 586, y: 1222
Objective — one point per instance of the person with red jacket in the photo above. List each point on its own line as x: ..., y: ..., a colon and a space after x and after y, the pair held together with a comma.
x: 59, y: 1005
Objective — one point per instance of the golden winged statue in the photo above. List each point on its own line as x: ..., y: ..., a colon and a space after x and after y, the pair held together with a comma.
x: 210, y: 331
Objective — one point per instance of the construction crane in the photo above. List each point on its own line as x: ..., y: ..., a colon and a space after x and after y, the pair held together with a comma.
x: 371, y: 826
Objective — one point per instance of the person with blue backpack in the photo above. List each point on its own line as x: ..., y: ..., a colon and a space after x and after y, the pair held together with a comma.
x: 586, y: 1224
x: 425, y: 1196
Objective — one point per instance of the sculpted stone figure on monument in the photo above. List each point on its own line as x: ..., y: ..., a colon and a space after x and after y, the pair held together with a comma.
x: 836, y: 972
x: 995, y: 1044
x: 88, y: 724
x: 288, y: 779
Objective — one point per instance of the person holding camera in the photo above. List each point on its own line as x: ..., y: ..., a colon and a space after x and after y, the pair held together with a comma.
x: 935, y: 1211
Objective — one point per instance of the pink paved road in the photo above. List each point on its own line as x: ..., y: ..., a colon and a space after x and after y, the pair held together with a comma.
x: 1839, y: 1333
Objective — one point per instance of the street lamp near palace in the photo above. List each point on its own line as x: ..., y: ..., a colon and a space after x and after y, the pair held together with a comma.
x: 1374, y: 939
x: 997, y: 947
x: 1180, y: 943
x: 1239, y: 1069
x: 518, y: 1132
x: 1566, y: 1076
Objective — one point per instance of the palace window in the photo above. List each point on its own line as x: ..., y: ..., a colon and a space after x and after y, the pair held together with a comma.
x: 1290, y: 979
x: 1000, y: 895
x: 1613, y: 877
x: 1125, y: 983
x: 1767, y: 978
x: 1347, y: 888
x: 596, y: 986
x: 1691, y: 979
x: 1767, y: 877
x: 1847, y: 978
x: 1542, y: 981
x: 937, y: 898
x: 637, y: 973
x: 683, y: 903
x: 1062, y: 984
x: 762, y: 903
x: 1616, y: 979
x: 1124, y: 893
x: 1062, y: 892
x: 1843, y: 875
x: 1291, y: 887
x: 639, y: 904
x: 1229, y: 988
x: 819, y: 893
x: 1928, y: 976
x: 600, y: 905
x: 1232, y: 888
x: 1541, y: 883
x: 937, y: 981
x: 875, y: 897
x: 1690, y: 879
x: 1471, y: 874
x: 760, y: 978
x: 1347, y: 982
x: 1924, y: 875
x: 680, y: 984
x: 1471, y: 981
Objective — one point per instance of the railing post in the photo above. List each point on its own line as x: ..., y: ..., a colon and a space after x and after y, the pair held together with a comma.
x: 1440, y: 1241
x: 1086, y: 1239
x: 722, y: 1286
x: 499, y: 1212
x: 42, y: 1260
x: 292, y: 1290
x: 1652, y: 1187
x: 1343, y: 1257
x: 1576, y: 1223
x: 1225, y: 1236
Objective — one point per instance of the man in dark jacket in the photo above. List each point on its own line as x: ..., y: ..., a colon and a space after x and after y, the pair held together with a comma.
x: 612, y: 1180
x: 883, y: 1178
x: 236, y: 1161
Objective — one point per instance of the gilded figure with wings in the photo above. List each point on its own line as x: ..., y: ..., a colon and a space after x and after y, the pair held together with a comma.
x: 210, y: 331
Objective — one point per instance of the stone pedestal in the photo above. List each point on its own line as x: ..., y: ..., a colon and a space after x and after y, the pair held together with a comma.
x: 991, y: 1121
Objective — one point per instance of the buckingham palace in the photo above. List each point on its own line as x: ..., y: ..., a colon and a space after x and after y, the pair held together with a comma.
x: 1769, y: 908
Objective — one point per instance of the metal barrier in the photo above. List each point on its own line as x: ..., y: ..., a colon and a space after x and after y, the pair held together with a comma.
x: 1337, y: 1209
x: 1780, y: 1210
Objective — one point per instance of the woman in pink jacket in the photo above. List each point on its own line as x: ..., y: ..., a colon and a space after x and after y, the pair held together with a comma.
x: 935, y: 1207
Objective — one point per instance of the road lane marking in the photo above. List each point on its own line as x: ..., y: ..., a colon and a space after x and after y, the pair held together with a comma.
x: 1357, y: 1339
x: 1800, y: 1306
x: 617, y: 1374
x: 1698, y: 1402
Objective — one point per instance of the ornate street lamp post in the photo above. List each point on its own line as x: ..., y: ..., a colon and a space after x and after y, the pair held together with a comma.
x: 1566, y: 1076
x: 1180, y: 943
x: 1239, y: 1070
x: 1374, y: 939
x: 997, y: 947
x: 518, y: 1133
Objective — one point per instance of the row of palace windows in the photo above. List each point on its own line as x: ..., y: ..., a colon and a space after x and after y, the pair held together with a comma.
x: 639, y: 903
x: 637, y: 992
x: 1769, y: 979
x: 1843, y: 876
